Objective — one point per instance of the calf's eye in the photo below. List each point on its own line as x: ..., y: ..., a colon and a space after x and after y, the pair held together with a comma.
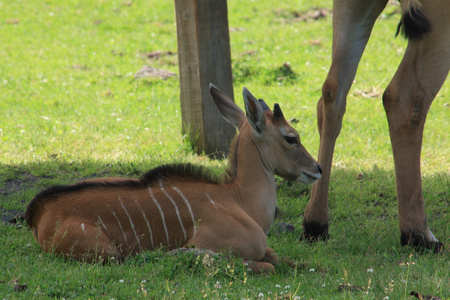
x: 291, y: 140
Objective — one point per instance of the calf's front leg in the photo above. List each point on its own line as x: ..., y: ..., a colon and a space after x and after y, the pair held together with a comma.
x: 266, y: 265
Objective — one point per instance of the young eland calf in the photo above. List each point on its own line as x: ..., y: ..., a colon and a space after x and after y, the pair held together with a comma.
x: 182, y: 204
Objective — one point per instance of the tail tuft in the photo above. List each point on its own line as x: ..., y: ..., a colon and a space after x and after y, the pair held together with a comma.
x: 413, y: 24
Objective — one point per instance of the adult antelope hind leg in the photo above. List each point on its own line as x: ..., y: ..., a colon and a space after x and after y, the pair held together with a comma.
x: 353, y: 21
x: 407, y: 99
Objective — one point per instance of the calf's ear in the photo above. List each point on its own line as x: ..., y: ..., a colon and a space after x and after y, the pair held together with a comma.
x: 255, y: 111
x: 229, y: 110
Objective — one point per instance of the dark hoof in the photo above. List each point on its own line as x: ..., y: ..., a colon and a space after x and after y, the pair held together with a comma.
x: 313, y: 232
x: 419, y: 243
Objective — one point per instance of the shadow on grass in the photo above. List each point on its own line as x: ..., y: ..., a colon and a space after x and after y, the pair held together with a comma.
x: 355, y: 199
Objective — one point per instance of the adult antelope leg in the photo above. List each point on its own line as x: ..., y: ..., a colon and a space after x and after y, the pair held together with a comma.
x: 407, y: 100
x: 352, y: 25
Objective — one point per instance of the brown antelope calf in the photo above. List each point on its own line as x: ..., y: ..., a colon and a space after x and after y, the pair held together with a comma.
x: 407, y: 99
x: 182, y: 205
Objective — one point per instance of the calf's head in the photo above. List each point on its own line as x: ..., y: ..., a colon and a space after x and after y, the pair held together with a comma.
x: 277, y: 141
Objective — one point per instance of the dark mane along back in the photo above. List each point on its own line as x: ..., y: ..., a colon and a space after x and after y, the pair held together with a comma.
x: 183, y: 172
x: 52, y: 193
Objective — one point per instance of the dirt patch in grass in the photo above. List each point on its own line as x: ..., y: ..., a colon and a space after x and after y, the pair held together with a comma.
x: 311, y: 15
x: 12, y: 188
x: 14, y: 185
x: 16, y: 188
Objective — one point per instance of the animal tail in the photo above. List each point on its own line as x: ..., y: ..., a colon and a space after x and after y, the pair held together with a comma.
x: 413, y: 23
x: 30, y: 216
x: 35, y: 207
x: 38, y: 202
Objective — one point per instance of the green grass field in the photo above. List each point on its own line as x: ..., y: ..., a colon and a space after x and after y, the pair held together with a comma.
x: 70, y: 108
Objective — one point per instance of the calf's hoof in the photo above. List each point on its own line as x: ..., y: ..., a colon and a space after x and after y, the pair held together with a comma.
x: 259, y: 267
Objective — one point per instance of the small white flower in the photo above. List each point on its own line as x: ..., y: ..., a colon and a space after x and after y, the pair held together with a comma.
x: 218, y: 285
x: 323, y: 285
x: 260, y: 295
x: 287, y: 287
x: 277, y: 285
x: 121, y: 281
x: 370, y: 270
x: 312, y: 270
x: 386, y: 298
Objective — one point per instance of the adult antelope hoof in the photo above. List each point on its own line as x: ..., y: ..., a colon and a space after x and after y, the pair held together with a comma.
x: 313, y: 232
x: 419, y: 243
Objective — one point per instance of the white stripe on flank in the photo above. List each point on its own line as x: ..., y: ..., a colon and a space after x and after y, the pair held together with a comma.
x: 83, y: 228
x: 131, y: 224
x: 120, y: 225
x: 211, y: 200
x: 104, y: 226
x: 146, y: 221
x: 189, y: 207
x: 176, y: 208
x: 161, y: 212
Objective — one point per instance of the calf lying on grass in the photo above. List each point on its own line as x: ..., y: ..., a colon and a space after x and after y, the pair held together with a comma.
x: 182, y: 204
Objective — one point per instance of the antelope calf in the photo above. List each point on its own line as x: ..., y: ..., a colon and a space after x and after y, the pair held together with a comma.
x: 182, y: 204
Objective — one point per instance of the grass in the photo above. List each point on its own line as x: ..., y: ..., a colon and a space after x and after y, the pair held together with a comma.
x: 70, y: 109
